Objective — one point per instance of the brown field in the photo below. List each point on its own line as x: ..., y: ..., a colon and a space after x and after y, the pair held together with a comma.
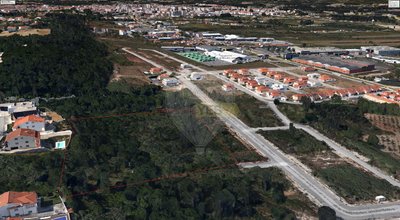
x: 28, y: 32
x: 171, y: 65
x: 390, y: 124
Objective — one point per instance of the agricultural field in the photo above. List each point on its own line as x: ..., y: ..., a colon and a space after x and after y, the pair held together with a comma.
x: 251, y: 111
x: 390, y: 124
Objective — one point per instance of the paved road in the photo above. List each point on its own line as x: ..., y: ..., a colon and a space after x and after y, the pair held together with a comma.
x: 317, y: 191
x: 304, y: 180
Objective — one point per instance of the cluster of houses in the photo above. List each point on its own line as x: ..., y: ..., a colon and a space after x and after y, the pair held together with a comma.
x: 258, y: 84
x: 385, y: 97
x: 22, y: 126
x: 342, y: 93
x: 165, y: 78
x: 27, y: 205
x: 273, y: 85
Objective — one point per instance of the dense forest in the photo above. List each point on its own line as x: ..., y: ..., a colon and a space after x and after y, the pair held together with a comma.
x: 116, y: 156
x: 68, y: 61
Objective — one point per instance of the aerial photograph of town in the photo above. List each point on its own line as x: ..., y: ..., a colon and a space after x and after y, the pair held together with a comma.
x: 199, y: 109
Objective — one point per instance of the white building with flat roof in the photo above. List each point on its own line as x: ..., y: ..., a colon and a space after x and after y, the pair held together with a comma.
x: 382, y: 50
x: 229, y: 56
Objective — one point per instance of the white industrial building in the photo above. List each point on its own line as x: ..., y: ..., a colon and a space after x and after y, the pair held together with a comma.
x: 229, y: 56
x: 8, y: 2
x: 382, y: 50
x: 170, y: 82
x: 5, y: 120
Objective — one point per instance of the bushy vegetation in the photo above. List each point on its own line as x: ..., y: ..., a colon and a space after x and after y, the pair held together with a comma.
x: 345, y: 123
x: 295, y: 141
x: 68, y: 61
x: 345, y: 178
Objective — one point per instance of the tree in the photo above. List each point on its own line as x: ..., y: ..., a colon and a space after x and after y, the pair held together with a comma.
x: 277, y: 102
x: 326, y: 213
x: 373, y: 140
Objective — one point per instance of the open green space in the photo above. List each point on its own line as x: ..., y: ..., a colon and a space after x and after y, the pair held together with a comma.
x: 295, y: 141
x: 355, y: 185
x: 251, y: 111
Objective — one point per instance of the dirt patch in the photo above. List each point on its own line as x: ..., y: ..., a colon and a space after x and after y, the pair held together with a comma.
x: 160, y: 59
x: 55, y: 117
x: 133, y: 74
x: 28, y: 32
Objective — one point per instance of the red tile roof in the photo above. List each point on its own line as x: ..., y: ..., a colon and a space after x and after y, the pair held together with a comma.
x: 18, y: 197
x: 31, y: 118
x: 22, y: 132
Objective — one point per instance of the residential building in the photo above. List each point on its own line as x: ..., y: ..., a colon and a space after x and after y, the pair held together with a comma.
x: 170, y: 82
x: 15, y: 204
x: 228, y: 87
x: 22, y: 138
x: 33, y: 122
x: 326, y: 78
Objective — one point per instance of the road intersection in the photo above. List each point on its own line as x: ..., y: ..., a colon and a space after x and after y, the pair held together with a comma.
x: 302, y: 178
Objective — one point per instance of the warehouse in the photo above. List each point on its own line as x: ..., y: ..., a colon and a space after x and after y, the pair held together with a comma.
x: 318, y: 50
x: 229, y: 56
x: 382, y: 50
x: 335, y: 64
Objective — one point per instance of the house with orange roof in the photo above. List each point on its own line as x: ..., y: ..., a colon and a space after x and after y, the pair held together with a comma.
x: 326, y: 78
x: 33, y: 122
x: 251, y: 84
x: 15, y: 204
x: 297, y: 97
x: 289, y: 80
x: 263, y: 71
x: 262, y: 90
x: 342, y: 93
x: 156, y: 70
x: 271, y: 74
x: 299, y: 85
x: 162, y: 76
x: 303, y: 78
x: 235, y: 77
x: 243, y: 80
x: 308, y: 68
x: 228, y: 87
x: 273, y: 94
x: 278, y: 77
x: 21, y: 139
x: 352, y: 91
x: 228, y: 72
x: 244, y: 72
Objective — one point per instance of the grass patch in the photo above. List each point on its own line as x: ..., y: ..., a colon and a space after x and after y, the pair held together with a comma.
x: 354, y: 185
x: 295, y: 141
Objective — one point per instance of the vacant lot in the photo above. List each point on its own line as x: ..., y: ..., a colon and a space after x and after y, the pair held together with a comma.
x: 28, y: 32
x: 339, y: 174
x: 356, y: 185
x: 313, y: 153
x: 251, y: 111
